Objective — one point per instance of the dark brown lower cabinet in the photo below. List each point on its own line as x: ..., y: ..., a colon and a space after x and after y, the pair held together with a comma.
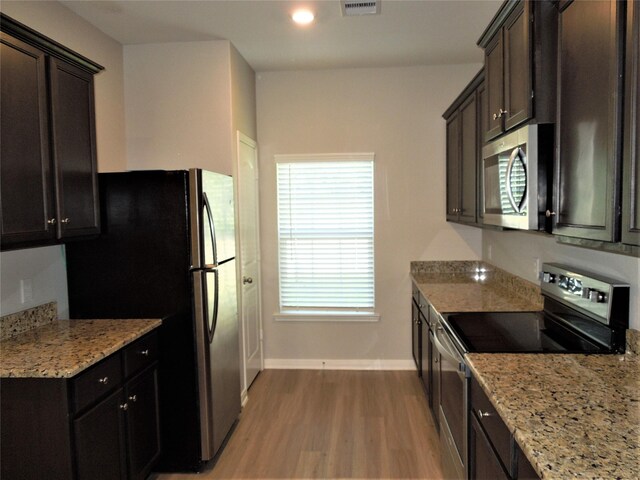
x: 416, y: 337
x: 98, y: 425
x: 143, y: 432
x: 484, y: 463
x: 100, y: 444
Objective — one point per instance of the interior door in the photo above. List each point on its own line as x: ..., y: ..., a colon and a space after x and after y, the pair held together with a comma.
x: 248, y: 215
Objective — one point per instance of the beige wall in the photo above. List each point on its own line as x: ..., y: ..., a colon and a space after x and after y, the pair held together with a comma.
x: 243, y: 96
x: 396, y: 113
x: 45, y: 266
x: 178, y: 106
x: 516, y: 252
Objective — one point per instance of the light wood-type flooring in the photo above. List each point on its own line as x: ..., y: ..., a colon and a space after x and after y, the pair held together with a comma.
x: 308, y: 424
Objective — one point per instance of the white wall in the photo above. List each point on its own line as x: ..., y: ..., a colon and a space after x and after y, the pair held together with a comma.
x: 45, y: 266
x: 396, y: 113
x: 178, y: 106
x: 516, y: 252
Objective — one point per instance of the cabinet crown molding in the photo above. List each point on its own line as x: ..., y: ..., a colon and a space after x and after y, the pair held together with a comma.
x: 22, y: 32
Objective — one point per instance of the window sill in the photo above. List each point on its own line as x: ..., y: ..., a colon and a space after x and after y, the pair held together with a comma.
x: 326, y: 317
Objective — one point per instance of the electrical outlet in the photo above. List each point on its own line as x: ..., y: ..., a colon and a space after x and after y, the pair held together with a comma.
x: 536, y: 267
x: 26, y: 291
x: 490, y: 252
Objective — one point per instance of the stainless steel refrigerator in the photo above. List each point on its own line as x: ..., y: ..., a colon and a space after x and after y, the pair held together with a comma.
x: 167, y: 250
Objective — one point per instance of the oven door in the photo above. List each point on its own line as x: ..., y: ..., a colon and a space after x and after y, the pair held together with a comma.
x: 509, y: 180
x: 453, y: 405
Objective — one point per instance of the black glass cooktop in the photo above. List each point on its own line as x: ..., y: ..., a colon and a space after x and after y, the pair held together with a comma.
x: 517, y: 332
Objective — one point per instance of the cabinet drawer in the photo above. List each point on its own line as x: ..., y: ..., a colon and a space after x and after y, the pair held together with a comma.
x: 496, y: 430
x: 96, y: 381
x: 140, y: 354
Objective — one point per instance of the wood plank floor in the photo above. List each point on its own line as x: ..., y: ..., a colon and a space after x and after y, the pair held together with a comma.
x: 310, y: 424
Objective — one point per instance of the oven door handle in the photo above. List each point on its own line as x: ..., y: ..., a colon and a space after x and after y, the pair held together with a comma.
x: 447, y: 353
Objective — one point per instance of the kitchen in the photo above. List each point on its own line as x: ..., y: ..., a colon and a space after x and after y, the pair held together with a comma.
x: 347, y: 109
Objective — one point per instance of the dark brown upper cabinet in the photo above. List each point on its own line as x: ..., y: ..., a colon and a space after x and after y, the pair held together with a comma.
x: 48, y: 151
x: 520, y: 64
x: 631, y: 168
x: 588, y: 130
x: 463, y: 152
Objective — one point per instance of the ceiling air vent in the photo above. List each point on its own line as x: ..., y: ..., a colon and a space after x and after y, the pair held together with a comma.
x: 354, y: 7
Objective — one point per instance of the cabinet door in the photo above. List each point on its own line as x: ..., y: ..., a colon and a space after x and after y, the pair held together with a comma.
x: 26, y: 199
x: 100, y: 441
x: 74, y: 149
x: 453, y: 166
x: 468, y: 160
x: 416, y: 333
x: 494, y: 75
x: 425, y: 361
x: 483, y: 461
x: 631, y: 169
x: 143, y: 430
x: 482, y: 122
x: 587, y: 162
x: 434, y: 398
x: 517, y: 67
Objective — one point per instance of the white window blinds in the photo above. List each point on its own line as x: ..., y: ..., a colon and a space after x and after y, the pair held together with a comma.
x: 325, y: 233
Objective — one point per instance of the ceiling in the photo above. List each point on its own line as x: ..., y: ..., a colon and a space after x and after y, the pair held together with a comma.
x: 406, y: 32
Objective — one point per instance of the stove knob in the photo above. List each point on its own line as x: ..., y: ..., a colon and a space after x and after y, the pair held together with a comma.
x: 548, y: 277
x: 585, y: 293
x: 595, y: 296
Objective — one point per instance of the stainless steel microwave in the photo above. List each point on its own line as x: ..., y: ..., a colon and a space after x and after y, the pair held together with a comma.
x: 516, y: 178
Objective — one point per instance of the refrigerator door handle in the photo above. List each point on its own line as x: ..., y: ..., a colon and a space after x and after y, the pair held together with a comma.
x: 212, y: 323
x: 212, y: 227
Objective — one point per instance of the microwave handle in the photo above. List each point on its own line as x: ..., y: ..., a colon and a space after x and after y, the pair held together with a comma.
x: 512, y: 160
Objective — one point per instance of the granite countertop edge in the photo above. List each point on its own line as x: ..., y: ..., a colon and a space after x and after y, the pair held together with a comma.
x: 30, y: 361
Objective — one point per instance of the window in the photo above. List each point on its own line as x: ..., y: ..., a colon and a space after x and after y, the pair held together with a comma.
x: 325, y: 236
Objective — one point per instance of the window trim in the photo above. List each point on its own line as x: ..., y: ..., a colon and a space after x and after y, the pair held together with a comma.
x: 360, y: 315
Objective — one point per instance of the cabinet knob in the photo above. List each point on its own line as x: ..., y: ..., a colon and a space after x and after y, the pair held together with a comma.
x: 495, y: 116
x: 65, y: 220
x: 104, y: 380
x: 246, y: 280
x: 145, y: 352
x: 51, y: 221
x: 124, y: 406
x: 133, y: 398
x: 549, y: 214
x: 482, y: 414
x: 502, y: 112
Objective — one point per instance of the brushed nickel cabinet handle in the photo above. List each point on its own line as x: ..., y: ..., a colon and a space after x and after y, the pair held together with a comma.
x: 51, y: 221
x: 145, y: 352
x: 65, y: 220
x: 482, y: 414
x: 124, y: 406
x: 104, y: 380
x: 133, y: 398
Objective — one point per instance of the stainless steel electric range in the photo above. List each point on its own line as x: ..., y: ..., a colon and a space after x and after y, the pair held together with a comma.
x: 583, y: 313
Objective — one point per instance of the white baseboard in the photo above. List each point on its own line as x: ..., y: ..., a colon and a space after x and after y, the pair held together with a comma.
x: 243, y: 398
x: 319, y: 364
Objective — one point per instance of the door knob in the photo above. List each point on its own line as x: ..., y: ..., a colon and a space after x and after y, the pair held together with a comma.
x: 246, y: 280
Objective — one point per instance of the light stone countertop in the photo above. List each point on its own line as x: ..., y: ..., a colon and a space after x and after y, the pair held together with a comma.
x: 64, y: 348
x: 483, y: 288
x: 574, y: 416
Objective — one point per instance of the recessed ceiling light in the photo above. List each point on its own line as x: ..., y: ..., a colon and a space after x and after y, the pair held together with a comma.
x: 303, y: 17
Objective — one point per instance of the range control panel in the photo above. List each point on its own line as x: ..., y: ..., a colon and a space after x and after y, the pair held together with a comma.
x: 593, y: 294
